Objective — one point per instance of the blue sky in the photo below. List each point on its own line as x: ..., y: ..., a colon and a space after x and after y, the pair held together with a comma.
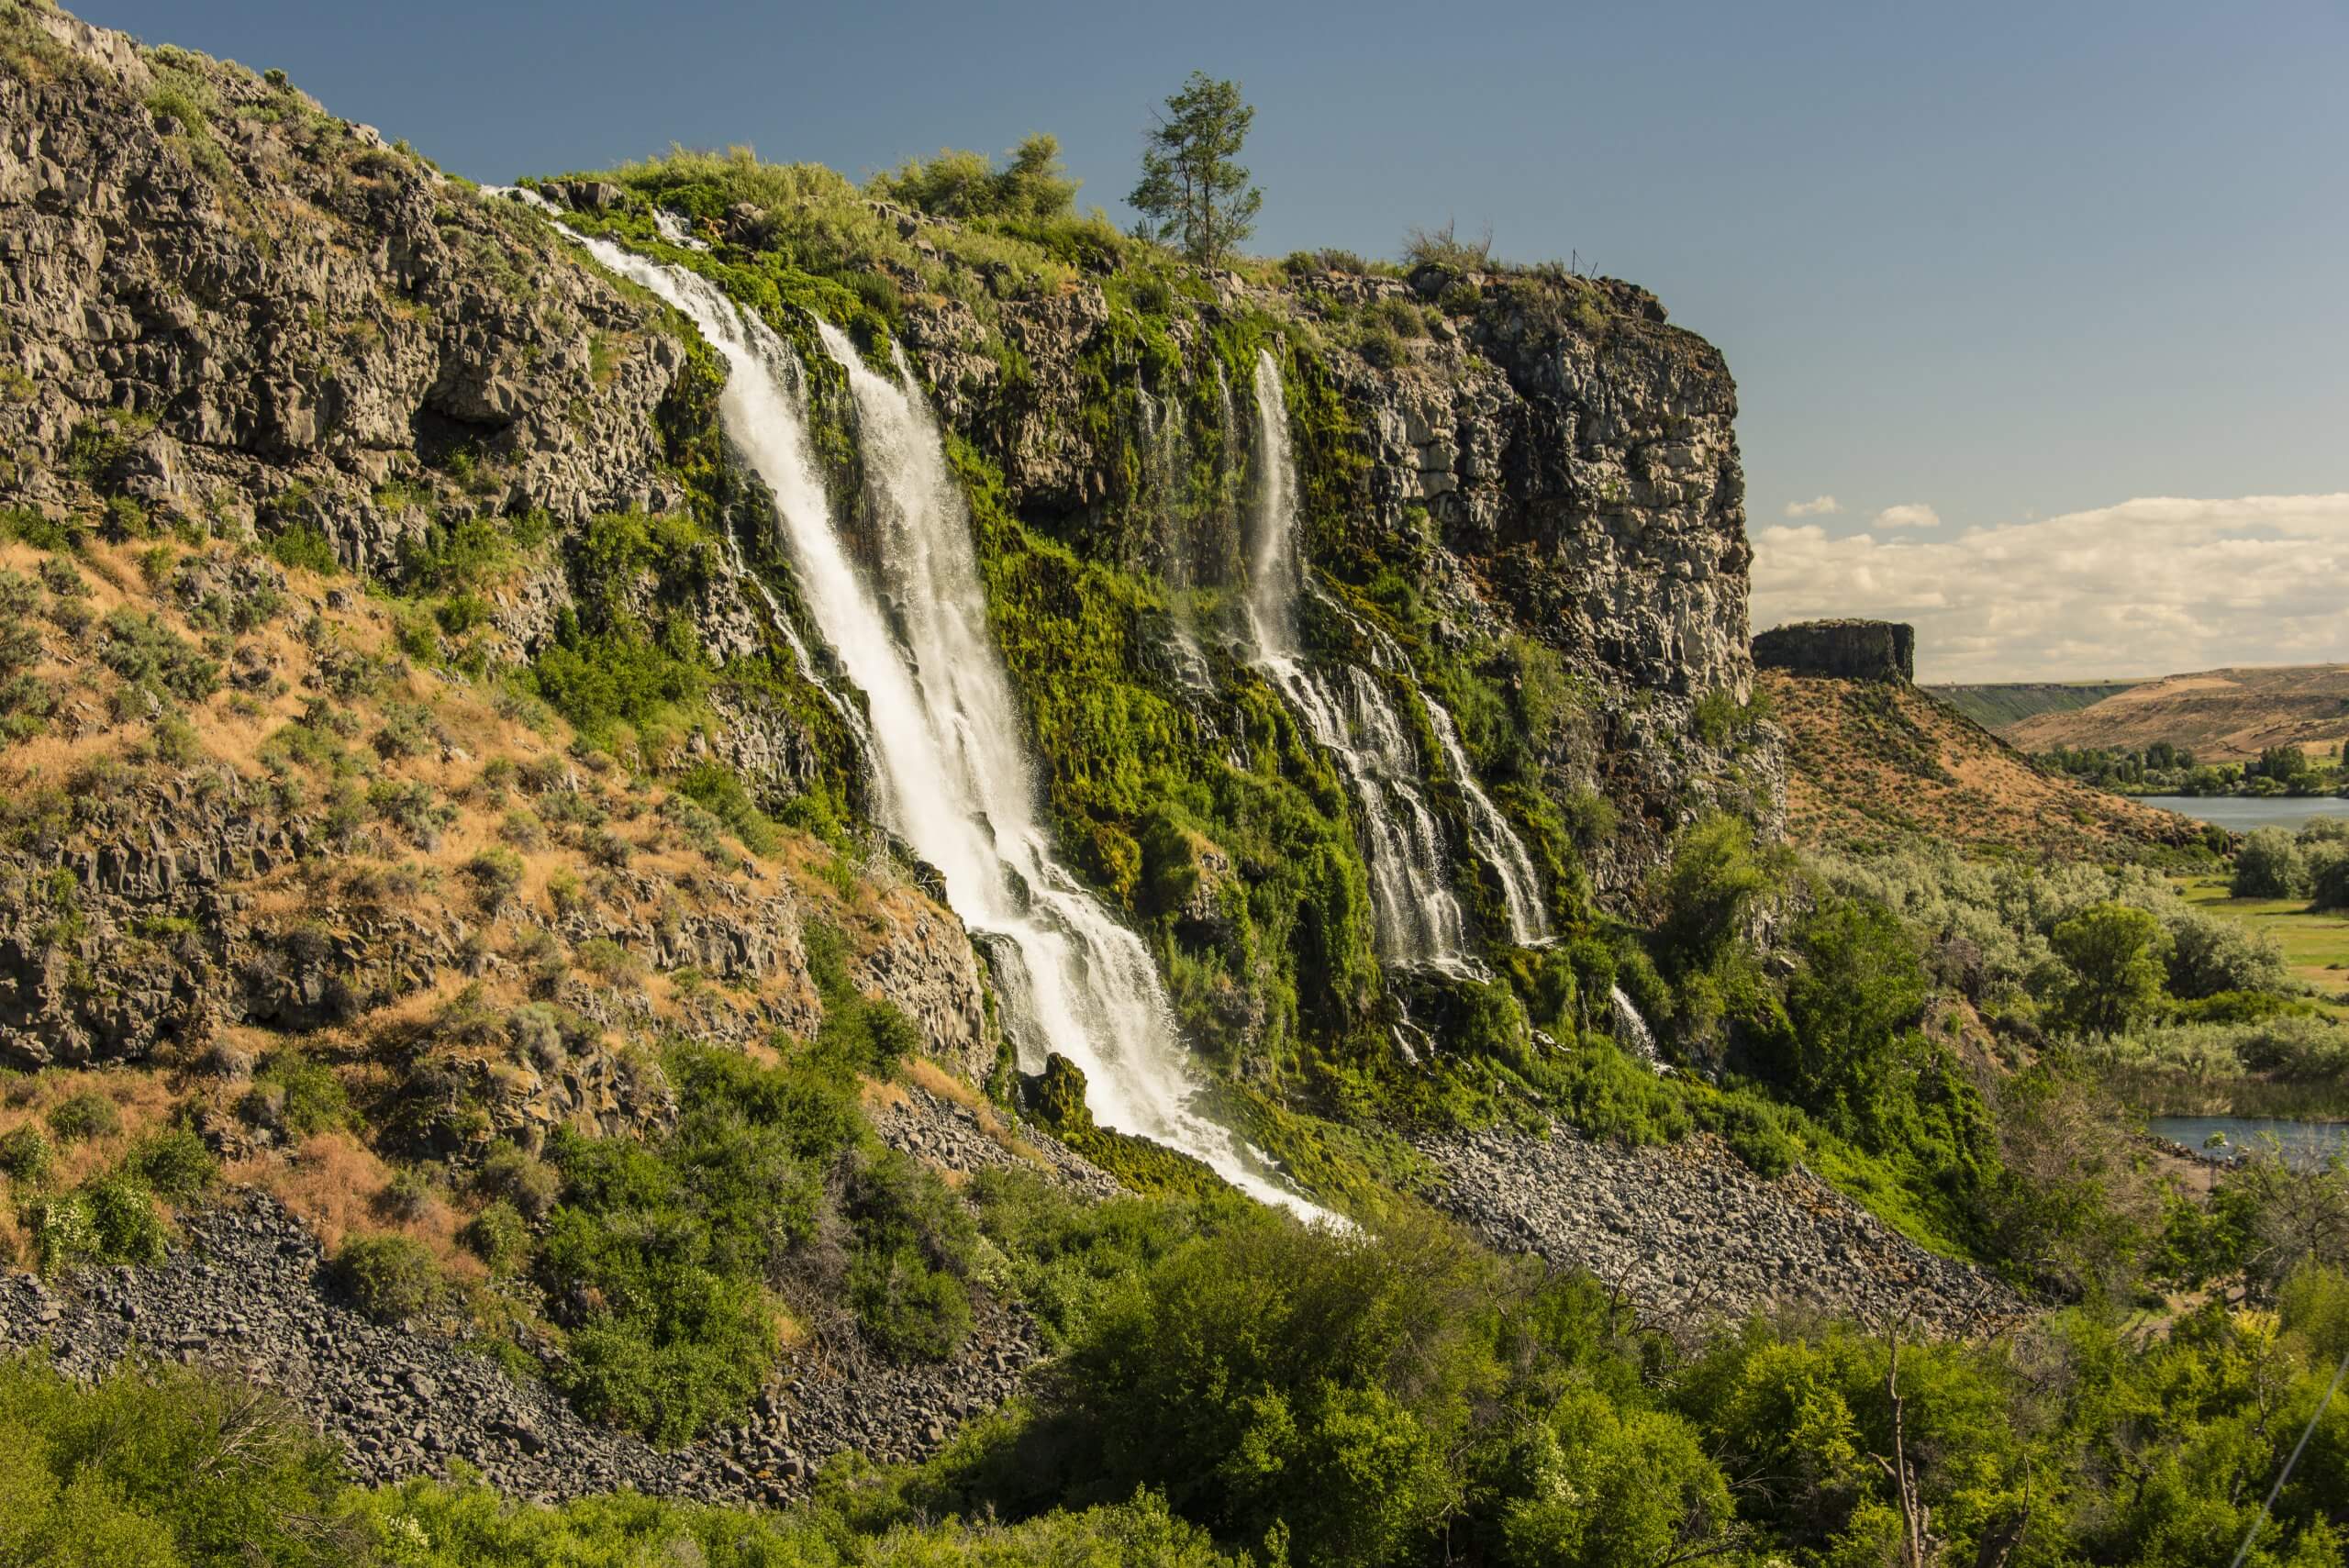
x: 2001, y: 263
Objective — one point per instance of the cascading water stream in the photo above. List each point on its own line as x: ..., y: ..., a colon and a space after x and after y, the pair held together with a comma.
x: 1631, y: 1031
x: 954, y: 778
x: 1353, y: 716
x: 1529, y: 922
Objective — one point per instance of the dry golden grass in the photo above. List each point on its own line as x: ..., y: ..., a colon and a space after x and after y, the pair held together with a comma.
x: 335, y: 1183
x: 143, y: 1100
x: 1872, y: 761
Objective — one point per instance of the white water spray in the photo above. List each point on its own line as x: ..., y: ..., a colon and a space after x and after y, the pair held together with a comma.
x: 952, y: 776
x: 1529, y: 922
x: 1631, y: 1031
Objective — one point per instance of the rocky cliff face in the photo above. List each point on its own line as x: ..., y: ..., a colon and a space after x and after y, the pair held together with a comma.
x: 1545, y: 456
x: 236, y: 326
x: 1851, y: 650
x: 234, y: 317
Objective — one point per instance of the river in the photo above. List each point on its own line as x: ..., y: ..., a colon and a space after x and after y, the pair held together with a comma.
x: 2241, y: 813
x: 2306, y: 1144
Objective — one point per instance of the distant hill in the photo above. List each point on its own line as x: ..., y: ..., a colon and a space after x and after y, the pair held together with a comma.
x: 1996, y: 706
x: 2221, y: 716
x: 1876, y: 761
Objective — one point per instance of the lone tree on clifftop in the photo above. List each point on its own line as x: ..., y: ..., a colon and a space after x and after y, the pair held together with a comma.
x: 1192, y: 192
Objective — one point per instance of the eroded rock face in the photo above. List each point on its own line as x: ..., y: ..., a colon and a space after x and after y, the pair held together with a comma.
x: 302, y: 322
x: 1551, y: 458
x: 1853, y: 649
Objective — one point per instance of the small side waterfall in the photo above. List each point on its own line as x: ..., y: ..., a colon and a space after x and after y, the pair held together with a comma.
x: 1529, y: 922
x: 1353, y: 715
x: 1631, y: 1031
x: 952, y: 772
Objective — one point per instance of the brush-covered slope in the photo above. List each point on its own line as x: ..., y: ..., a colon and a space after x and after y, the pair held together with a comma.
x: 1874, y: 762
x: 2220, y: 715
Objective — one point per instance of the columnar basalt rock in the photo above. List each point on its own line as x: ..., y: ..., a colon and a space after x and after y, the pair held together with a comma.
x: 1851, y: 650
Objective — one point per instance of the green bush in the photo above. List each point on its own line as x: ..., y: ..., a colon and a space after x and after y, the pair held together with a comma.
x: 306, y: 1096
x: 2115, y: 954
x: 123, y: 1221
x: 176, y: 1164
x: 2328, y: 882
x: 155, y: 1465
x: 24, y: 1156
x: 2270, y: 865
x: 302, y: 546
x: 676, y: 1244
x: 83, y: 1114
x: 387, y: 1277
x: 1031, y: 186
x: 499, y: 1237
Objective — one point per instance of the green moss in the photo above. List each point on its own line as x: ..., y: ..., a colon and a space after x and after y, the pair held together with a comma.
x: 1056, y: 1096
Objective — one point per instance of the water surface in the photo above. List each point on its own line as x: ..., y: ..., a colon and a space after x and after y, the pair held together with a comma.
x: 2241, y: 813
x: 2305, y: 1143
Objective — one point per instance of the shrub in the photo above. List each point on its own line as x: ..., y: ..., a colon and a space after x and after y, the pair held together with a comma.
x: 2328, y: 883
x: 1031, y: 186
x: 2269, y: 865
x: 86, y: 1114
x: 25, y: 1155
x: 2211, y: 955
x: 308, y: 1097
x: 2114, y: 954
x: 496, y: 874
x: 157, y: 1465
x: 909, y: 1309
x: 499, y: 1237
x: 529, y: 1185
x: 302, y: 546
x: 176, y: 1165
x: 123, y: 1218
x: 386, y: 1277
x: 913, y: 1238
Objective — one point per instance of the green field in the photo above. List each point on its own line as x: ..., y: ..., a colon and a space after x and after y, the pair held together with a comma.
x: 2316, y: 946
x: 1996, y: 706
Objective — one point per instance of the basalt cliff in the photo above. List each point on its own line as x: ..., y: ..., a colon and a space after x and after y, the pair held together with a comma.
x: 423, y: 709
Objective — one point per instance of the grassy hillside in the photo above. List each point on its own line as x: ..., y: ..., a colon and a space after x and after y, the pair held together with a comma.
x: 1998, y: 704
x: 1874, y: 762
x: 2220, y: 715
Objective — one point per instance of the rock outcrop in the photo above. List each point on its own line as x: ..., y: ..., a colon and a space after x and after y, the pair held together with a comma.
x: 1694, y: 1238
x: 1848, y: 650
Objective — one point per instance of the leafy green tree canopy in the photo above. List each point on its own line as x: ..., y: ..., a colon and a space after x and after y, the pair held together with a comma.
x: 1192, y: 191
x: 2116, y: 953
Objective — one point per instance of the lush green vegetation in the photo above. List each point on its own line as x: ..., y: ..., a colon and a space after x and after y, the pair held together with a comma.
x: 2163, y: 768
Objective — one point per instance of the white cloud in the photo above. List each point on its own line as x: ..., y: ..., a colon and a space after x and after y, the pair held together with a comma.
x: 1817, y: 507
x: 2148, y: 587
x: 1908, y: 515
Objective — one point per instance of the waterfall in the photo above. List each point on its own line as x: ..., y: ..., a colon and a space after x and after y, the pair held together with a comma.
x: 1529, y: 922
x: 1354, y: 716
x: 953, y: 776
x: 1351, y: 716
x: 1632, y: 1031
x: 671, y: 228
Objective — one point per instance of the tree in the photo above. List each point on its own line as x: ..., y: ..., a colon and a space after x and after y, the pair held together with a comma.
x: 2115, y: 954
x: 2269, y: 865
x: 1860, y: 985
x: 1192, y: 190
